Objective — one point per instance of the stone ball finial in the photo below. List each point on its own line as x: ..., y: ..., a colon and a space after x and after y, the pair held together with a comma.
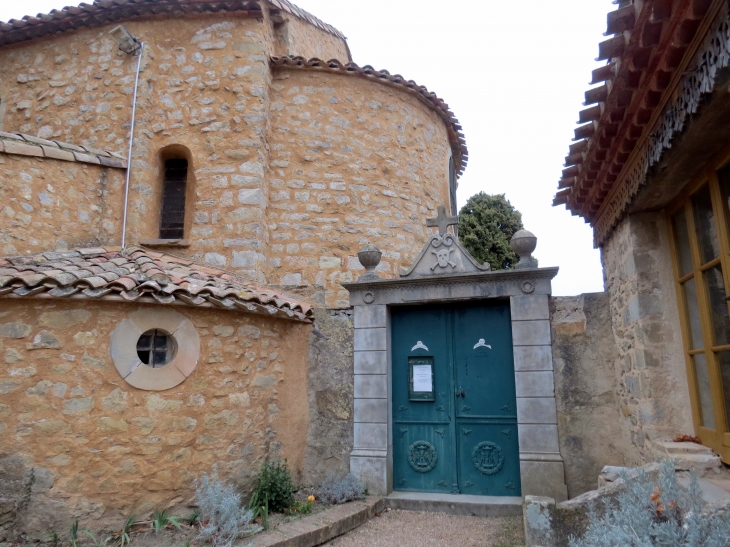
x: 523, y: 243
x: 369, y: 257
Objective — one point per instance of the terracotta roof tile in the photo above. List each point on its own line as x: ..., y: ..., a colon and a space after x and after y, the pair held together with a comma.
x: 456, y: 136
x: 104, y: 12
x: 138, y: 276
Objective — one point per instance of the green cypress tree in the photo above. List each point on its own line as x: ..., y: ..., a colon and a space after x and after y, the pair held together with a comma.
x: 486, y: 225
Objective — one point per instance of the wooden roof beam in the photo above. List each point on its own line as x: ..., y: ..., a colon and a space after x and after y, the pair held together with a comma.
x: 621, y: 20
x: 585, y: 131
x: 596, y: 95
x: 604, y: 74
x: 579, y: 146
x: 590, y: 114
x: 611, y: 48
x: 573, y: 159
x: 661, y: 10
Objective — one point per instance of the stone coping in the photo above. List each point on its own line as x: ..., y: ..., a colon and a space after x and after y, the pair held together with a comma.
x: 319, y: 528
x: 479, y: 277
x: 28, y: 145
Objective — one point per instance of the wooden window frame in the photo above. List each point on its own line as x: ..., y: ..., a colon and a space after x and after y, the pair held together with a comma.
x: 718, y: 438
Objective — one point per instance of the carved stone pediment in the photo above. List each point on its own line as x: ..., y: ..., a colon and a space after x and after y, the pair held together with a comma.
x: 444, y: 255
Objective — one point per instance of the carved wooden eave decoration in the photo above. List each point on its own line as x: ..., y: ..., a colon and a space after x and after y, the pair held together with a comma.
x: 444, y: 255
x: 663, y: 56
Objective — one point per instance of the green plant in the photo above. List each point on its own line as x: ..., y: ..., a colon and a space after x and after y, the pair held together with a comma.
x: 486, y: 225
x: 54, y: 538
x: 160, y: 520
x: 193, y: 519
x: 340, y: 490
x: 275, y: 487
x: 74, y: 533
x: 97, y: 543
x: 298, y: 508
x: 123, y: 536
x: 222, y: 519
x: 646, y: 514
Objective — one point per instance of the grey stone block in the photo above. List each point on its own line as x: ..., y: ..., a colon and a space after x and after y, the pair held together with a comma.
x: 537, y: 411
x: 533, y: 358
x: 534, y: 384
x: 543, y: 479
x: 372, y: 473
x: 531, y: 333
x: 371, y: 339
x: 371, y: 386
x: 374, y: 315
x: 371, y: 411
x: 372, y: 436
x: 371, y: 362
x: 530, y: 307
x: 538, y: 438
x: 538, y: 518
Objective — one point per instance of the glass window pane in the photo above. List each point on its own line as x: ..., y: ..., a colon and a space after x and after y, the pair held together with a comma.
x: 681, y: 236
x: 718, y: 305
x: 723, y: 361
x: 705, y: 225
x: 703, y: 390
x: 693, y: 314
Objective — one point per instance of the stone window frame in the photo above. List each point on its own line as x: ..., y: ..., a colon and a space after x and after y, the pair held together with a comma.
x: 123, y: 349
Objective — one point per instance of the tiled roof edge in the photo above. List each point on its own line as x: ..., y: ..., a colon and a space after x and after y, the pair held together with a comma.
x: 28, y: 145
x: 301, y: 14
x: 456, y: 136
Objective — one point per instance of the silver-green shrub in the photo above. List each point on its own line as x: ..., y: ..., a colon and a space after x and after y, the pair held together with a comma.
x: 656, y: 515
x: 340, y: 490
x: 222, y: 518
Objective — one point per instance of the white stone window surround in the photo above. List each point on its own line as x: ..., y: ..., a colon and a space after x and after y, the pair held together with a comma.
x: 123, y: 348
x: 541, y: 465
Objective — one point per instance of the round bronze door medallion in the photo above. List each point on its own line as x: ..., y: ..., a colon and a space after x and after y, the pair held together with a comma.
x: 487, y: 458
x: 422, y: 456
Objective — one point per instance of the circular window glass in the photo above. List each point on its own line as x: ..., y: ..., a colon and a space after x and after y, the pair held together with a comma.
x: 156, y: 348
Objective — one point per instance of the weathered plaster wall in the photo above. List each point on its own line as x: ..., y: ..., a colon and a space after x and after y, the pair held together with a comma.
x: 584, y: 357
x: 353, y: 162
x: 47, y: 205
x: 296, y: 37
x: 330, y: 380
x: 651, y: 377
x: 99, y: 448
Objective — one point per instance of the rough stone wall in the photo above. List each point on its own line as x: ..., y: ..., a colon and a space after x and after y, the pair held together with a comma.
x: 47, y: 205
x: 353, y: 162
x: 203, y: 86
x: 651, y: 376
x: 584, y: 358
x: 330, y: 381
x: 78, y: 442
x: 296, y: 37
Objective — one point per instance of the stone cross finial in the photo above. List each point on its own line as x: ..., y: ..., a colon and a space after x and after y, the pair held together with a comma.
x: 442, y: 221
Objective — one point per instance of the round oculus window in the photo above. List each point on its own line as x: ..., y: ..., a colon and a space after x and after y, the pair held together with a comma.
x: 156, y: 348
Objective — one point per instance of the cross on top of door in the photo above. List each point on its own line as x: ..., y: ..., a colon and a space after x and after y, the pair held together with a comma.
x: 442, y: 221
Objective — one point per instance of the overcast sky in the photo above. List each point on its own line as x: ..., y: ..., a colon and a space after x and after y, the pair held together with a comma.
x: 514, y: 73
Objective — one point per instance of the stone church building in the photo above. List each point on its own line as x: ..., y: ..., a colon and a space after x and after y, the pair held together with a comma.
x: 266, y: 269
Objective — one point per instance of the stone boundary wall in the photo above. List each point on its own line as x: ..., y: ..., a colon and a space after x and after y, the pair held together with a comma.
x: 584, y: 359
x: 27, y: 145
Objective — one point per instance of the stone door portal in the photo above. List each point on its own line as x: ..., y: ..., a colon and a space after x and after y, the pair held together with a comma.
x: 454, y: 402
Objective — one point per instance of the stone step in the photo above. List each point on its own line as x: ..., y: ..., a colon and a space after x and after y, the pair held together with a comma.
x: 672, y: 447
x: 711, y: 492
x: 478, y: 506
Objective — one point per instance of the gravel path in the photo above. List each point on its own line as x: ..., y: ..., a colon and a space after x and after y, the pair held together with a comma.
x: 418, y: 529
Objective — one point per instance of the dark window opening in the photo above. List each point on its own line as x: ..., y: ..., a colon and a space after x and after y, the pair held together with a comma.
x: 172, y: 221
x: 155, y: 348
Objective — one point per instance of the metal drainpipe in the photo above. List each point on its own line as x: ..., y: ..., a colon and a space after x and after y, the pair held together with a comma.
x: 129, y: 152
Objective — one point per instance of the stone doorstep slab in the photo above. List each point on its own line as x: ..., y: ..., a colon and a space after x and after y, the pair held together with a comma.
x: 319, y: 528
x: 477, y: 506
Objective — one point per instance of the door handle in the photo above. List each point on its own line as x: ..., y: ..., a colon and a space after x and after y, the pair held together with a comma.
x: 460, y: 393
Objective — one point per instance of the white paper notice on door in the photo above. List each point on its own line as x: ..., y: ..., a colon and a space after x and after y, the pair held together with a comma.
x: 422, y: 379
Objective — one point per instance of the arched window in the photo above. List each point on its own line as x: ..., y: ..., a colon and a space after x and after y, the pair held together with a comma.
x: 174, y: 188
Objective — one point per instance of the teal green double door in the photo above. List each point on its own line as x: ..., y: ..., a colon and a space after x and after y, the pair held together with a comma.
x: 454, y: 405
